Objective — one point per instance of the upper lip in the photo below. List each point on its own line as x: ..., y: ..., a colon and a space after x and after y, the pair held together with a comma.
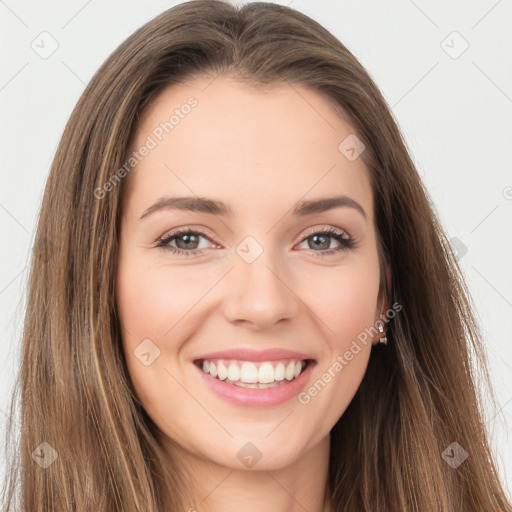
x: 247, y: 354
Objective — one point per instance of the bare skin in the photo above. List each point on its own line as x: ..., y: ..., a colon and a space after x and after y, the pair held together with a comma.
x: 261, y: 153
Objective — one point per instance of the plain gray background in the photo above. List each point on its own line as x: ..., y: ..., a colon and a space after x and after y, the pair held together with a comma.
x: 444, y: 68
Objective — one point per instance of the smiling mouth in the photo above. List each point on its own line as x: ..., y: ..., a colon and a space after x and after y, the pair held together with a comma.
x: 255, y: 375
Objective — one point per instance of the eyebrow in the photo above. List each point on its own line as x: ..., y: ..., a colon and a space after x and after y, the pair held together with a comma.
x: 215, y: 207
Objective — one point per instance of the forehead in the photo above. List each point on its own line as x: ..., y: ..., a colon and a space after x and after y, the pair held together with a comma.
x: 218, y: 137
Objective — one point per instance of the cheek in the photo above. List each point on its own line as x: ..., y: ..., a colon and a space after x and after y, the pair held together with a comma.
x: 159, y: 307
x: 151, y: 302
x: 148, y: 308
x: 345, y: 307
x: 155, y: 308
x: 355, y: 312
x: 346, y: 303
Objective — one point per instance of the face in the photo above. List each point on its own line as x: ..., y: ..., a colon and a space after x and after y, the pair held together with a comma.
x: 260, y: 275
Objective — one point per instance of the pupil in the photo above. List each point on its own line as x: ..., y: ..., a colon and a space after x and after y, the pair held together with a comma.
x: 325, y: 245
x: 187, y: 240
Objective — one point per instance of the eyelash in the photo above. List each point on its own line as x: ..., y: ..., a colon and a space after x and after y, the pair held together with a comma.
x: 346, y: 243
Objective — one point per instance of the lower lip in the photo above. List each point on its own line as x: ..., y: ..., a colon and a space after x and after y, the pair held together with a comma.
x: 257, y: 397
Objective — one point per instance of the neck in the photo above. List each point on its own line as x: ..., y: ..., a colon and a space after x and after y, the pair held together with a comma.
x: 301, y: 485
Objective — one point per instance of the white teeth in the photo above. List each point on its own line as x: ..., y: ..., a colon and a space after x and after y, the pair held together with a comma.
x: 266, y: 386
x: 246, y: 385
x: 290, y: 370
x: 222, y: 371
x: 266, y: 373
x: 233, y: 372
x: 248, y: 374
x: 256, y: 386
x: 279, y: 372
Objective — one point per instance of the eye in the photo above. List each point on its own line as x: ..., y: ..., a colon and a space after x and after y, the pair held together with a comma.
x: 322, y: 240
x: 186, y: 240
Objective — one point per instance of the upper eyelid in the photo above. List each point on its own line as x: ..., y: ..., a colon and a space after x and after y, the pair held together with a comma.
x: 326, y: 227
x: 204, y: 232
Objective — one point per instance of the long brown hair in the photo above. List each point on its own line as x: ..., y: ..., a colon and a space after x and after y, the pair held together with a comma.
x: 420, y: 393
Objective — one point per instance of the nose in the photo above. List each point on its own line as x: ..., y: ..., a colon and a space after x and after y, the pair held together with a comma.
x: 260, y: 294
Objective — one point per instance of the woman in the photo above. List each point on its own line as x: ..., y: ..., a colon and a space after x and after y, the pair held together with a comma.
x: 241, y: 297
